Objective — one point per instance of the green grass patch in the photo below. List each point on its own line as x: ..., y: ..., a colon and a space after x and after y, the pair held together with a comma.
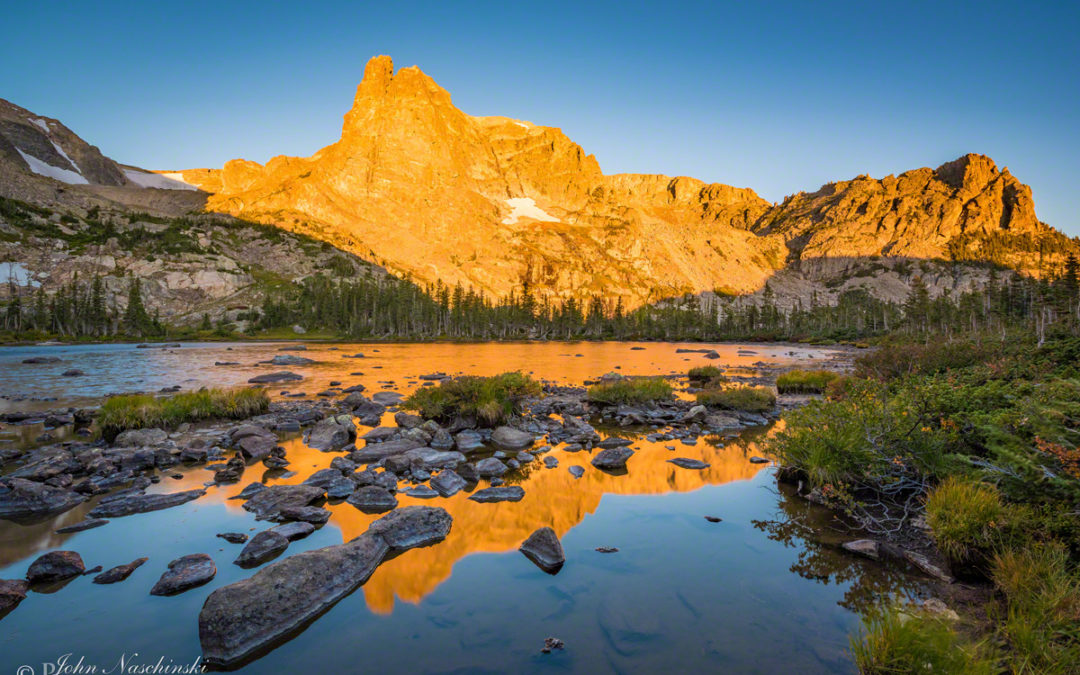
x: 748, y: 399
x: 706, y: 374
x: 630, y: 390
x: 896, y: 641
x: 967, y: 519
x: 1042, y: 621
x: 139, y: 411
x: 805, y: 381
x: 486, y: 400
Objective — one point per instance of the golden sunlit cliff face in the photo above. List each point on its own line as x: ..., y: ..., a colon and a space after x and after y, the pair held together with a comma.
x: 426, y: 190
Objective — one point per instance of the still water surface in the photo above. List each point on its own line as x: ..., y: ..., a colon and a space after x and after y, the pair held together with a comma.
x: 757, y: 592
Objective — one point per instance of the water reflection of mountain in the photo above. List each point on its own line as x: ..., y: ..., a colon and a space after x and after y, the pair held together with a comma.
x: 553, y: 498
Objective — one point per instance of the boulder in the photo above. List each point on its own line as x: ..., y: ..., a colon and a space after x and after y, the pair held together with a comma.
x: 289, y: 360
x: 119, y: 505
x: 373, y: 499
x: 254, y: 441
x: 381, y: 434
x: 262, y: 547
x: 55, y: 566
x: 408, y: 421
x: 332, y: 433
x: 269, y: 502
x: 421, y: 492
x: 510, y: 438
x: 448, y: 483
x: 612, y: 458
x: 513, y: 493
x: 233, y: 537
x: 576, y: 471
x: 551, y: 462
x: 387, y: 398
x: 308, y: 514
x: 12, y: 592
x: 467, y: 441
x: 22, y: 499
x: 119, y: 573
x: 240, y: 619
x: 185, y: 573
x: 490, y: 466
x: 544, y: 548
x: 429, y: 459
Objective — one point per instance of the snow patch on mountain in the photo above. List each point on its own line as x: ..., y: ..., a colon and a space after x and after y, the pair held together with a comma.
x: 65, y: 155
x: 43, y: 169
x: 525, y: 207
x: 41, y: 123
x: 160, y: 181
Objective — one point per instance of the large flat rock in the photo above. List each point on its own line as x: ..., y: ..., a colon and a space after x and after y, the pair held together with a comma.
x: 250, y: 616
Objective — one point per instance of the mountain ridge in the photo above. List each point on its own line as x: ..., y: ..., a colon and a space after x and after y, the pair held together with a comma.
x: 499, y: 205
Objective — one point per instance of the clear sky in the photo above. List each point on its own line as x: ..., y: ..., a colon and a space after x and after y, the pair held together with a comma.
x: 779, y: 97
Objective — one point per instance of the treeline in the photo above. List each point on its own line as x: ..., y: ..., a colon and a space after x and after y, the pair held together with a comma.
x: 80, y: 310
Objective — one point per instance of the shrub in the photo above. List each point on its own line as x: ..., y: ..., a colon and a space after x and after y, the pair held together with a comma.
x: 897, y: 360
x: 749, y: 399
x: 911, y: 641
x: 1042, y: 625
x: 706, y: 374
x: 805, y: 381
x: 868, y: 438
x: 630, y: 390
x: 484, y: 400
x: 139, y: 411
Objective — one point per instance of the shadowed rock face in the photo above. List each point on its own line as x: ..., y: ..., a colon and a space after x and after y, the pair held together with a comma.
x: 442, y: 195
x: 240, y: 619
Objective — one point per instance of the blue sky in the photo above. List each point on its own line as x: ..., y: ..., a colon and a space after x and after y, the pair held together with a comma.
x: 779, y: 97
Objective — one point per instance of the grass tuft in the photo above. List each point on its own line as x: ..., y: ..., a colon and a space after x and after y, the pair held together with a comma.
x: 748, y: 399
x: 140, y: 411
x: 910, y: 641
x: 706, y: 374
x: 967, y: 518
x: 630, y: 390
x: 488, y: 401
x: 805, y: 381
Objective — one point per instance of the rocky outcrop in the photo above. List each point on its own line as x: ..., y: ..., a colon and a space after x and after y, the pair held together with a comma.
x: 243, y: 618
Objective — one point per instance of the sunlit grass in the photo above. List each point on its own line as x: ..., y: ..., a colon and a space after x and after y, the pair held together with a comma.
x: 139, y: 411
x: 805, y: 381
x: 630, y: 390
x: 910, y: 641
x: 748, y: 399
x: 486, y: 400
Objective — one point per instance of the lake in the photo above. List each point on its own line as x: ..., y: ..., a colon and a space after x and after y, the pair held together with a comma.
x: 765, y: 590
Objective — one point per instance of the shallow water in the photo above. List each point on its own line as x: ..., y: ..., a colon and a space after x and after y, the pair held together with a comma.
x: 753, y: 593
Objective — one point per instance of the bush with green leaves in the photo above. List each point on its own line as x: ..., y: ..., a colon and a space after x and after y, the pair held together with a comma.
x: 703, y: 374
x: 487, y: 401
x: 139, y: 411
x: 630, y: 390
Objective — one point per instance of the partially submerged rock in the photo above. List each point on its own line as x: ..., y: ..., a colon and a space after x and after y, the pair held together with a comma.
x: 242, y: 618
x: 281, y: 376
x: 185, y: 573
x: 262, y: 547
x: 332, y: 433
x: 512, y: 493
x: 12, y: 592
x: 612, y: 458
x: 544, y: 548
x: 687, y: 463
x: 373, y: 499
x: 55, y: 566
x: 125, y: 505
x: 119, y: 573
x: 24, y: 499
x: 448, y: 483
x: 269, y: 502
x: 509, y: 438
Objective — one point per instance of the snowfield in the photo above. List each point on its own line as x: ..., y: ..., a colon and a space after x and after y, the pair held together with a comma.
x: 160, y: 181
x: 18, y: 274
x: 65, y: 156
x: 42, y: 169
x: 525, y: 207
x: 41, y: 123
